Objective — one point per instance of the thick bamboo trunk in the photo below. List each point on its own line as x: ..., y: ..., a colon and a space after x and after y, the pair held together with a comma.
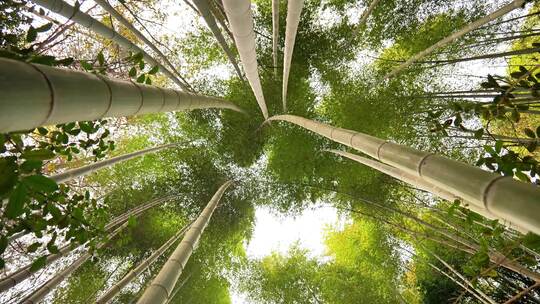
x: 241, y: 23
x: 34, y: 95
x: 502, y: 196
x: 416, y: 182
x: 24, y: 272
x: 162, y: 286
x: 467, y: 29
x: 67, y: 11
x: 294, y: 9
x: 275, y: 34
x: 37, y: 295
x: 109, y: 9
x: 115, y: 289
x: 204, y: 9
x: 85, y: 170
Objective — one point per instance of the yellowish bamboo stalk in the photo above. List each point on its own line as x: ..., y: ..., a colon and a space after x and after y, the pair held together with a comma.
x: 294, y: 9
x: 502, y: 196
x: 162, y: 286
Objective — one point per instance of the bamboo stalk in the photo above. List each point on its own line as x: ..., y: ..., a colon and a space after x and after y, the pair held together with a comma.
x: 241, y: 22
x: 85, y: 170
x: 116, y: 288
x: 24, y: 272
x: 109, y: 9
x: 67, y: 11
x: 34, y: 95
x: 502, y: 196
x: 456, y: 35
x: 37, y: 295
x: 294, y: 9
x: 162, y: 286
x: 204, y: 9
x: 275, y: 34
x: 366, y: 14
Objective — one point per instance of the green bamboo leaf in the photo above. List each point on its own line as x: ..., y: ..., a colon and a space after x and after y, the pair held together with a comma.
x: 32, y: 248
x: 31, y: 35
x: 17, y: 202
x: 40, y: 154
x: 40, y: 183
x: 141, y: 78
x: 132, y: 72
x: 101, y: 58
x: 530, y: 133
x: 38, y: 264
x: 44, y: 27
x: 154, y: 70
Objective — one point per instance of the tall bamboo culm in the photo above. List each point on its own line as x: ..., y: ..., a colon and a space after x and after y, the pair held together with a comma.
x: 460, y: 33
x: 109, y: 9
x: 34, y: 95
x: 37, y: 295
x: 67, y: 11
x: 204, y: 9
x: 275, y: 34
x: 421, y: 184
x: 501, y: 196
x: 294, y: 9
x: 115, y: 289
x: 24, y: 272
x: 162, y: 286
x: 85, y: 170
x: 241, y: 23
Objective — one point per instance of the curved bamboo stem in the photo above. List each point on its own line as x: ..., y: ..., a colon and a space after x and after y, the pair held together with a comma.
x: 85, y: 170
x: 502, y: 196
x: 465, y: 30
x: 34, y: 95
x: 67, y: 11
x: 294, y: 9
x: 115, y: 289
x: 241, y: 23
x: 109, y: 9
x: 204, y: 9
x: 162, y: 286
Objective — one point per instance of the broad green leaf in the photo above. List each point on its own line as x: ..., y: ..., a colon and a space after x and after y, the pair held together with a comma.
x: 40, y: 154
x: 154, y: 70
x: 530, y: 133
x: 132, y: 72
x: 44, y: 27
x: 17, y: 201
x: 141, y: 78
x: 38, y: 264
x: 32, y: 248
x: 8, y: 176
x: 40, y: 183
x: 31, y: 35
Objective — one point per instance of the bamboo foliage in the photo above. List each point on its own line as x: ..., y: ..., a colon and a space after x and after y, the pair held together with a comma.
x: 37, y: 295
x: 275, y: 34
x: 109, y: 9
x: 502, y: 196
x: 204, y: 9
x: 85, y: 170
x: 34, y: 95
x: 294, y: 9
x: 241, y: 22
x: 163, y: 284
x: 456, y: 35
x: 24, y: 272
x: 67, y: 11
x: 115, y: 289
x: 367, y: 12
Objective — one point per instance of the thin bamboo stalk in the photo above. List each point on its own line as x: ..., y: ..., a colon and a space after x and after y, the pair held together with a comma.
x: 294, y: 9
x: 34, y: 95
x: 67, y: 11
x: 275, y: 34
x: 109, y: 9
x: 24, y: 272
x: 116, y: 288
x: 85, y: 170
x: 241, y: 23
x: 204, y: 9
x: 162, y: 286
x: 366, y: 13
x: 502, y: 196
x: 37, y: 295
x: 467, y: 29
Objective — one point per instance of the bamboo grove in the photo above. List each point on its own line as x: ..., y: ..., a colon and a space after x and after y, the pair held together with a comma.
x: 139, y: 141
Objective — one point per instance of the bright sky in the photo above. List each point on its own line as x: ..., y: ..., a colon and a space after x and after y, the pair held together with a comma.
x: 277, y: 233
